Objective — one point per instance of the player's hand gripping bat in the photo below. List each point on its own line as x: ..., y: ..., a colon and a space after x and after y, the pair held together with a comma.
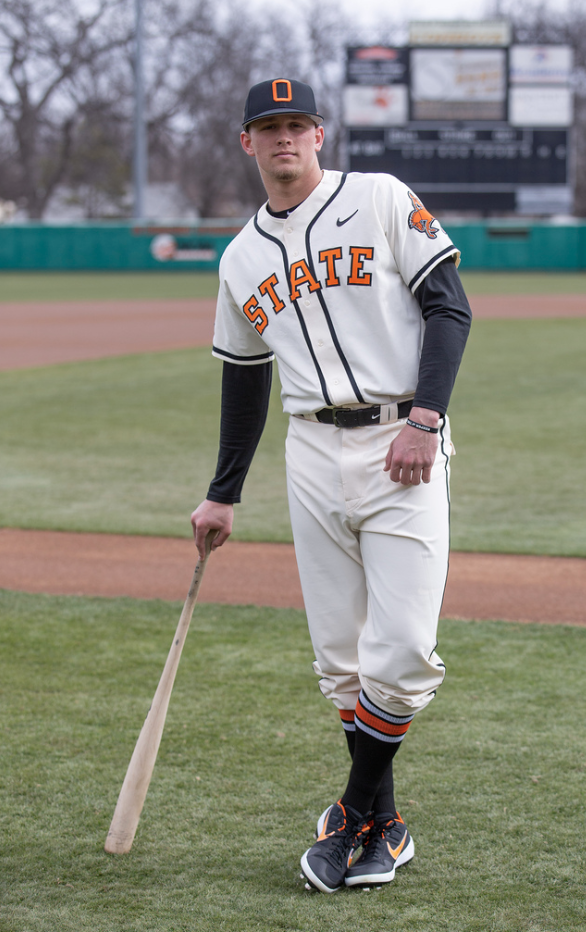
x: 138, y: 776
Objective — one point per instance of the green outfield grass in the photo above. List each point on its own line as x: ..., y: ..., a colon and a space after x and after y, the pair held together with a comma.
x: 490, y: 779
x: 129, y: 444
x: 105, y: 286
x: 519, y: 424
x: 523, y: 282
x: 96, y: 286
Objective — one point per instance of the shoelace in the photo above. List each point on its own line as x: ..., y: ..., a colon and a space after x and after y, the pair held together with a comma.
x: 376, y: 837
x: 336, y: 853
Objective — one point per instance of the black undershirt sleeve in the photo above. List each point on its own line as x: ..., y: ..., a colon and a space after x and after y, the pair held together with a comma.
x: 245, y: 402
x: 447, y: 316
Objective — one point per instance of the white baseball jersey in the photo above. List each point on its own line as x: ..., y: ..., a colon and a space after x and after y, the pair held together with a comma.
x: 329, y: 292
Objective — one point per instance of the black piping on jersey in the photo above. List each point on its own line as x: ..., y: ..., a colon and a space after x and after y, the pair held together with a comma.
x: 268, y: 356
x: 449, y: 249
x: 321, y: 298
x: 302, y: 324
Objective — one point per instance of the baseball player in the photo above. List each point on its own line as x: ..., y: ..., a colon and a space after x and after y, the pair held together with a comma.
x: 352, y: 286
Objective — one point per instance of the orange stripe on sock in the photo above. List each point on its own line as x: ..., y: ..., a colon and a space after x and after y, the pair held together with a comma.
x: 387, y: 728
x: 347, y: 715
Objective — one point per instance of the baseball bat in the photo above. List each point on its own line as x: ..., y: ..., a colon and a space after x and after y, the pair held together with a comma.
x: 140, y: 769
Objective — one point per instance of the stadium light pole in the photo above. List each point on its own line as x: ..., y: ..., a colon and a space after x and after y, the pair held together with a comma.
x: 140, y: 135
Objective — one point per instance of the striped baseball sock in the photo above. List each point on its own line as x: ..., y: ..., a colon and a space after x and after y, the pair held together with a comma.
x: 377, y: 739
x: 349, y: 726
x: 384, y: 801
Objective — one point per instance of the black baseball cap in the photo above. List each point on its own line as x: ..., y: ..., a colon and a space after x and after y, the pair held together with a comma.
x: 279, y: 96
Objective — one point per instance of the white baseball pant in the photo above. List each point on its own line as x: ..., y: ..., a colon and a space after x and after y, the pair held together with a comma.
x: 373, y: 561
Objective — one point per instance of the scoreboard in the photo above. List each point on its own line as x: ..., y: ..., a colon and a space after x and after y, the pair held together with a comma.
x: 469, y: 128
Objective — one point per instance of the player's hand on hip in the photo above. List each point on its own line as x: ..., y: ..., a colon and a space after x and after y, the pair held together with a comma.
x: 412, y: 453
x: 212, y: 516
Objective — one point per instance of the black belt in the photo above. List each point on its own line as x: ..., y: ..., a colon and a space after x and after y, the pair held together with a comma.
x: 358, y: 417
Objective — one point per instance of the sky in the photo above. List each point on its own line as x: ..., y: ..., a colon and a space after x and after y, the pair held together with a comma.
x: 366, y: 13
x: 417, y: 9
x: 430, y: 9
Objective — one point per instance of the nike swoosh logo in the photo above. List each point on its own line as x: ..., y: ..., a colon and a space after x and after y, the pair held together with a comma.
x: 324, y: 833
x: 395, y: 852
x: 340, y: 223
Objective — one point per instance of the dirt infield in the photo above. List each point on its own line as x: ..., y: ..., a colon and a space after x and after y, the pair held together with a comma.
x: 482, y: 586
x: 54, y: 332
x: 35, y: 334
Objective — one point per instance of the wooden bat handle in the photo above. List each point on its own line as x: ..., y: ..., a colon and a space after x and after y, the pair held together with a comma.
x: 138, y: 776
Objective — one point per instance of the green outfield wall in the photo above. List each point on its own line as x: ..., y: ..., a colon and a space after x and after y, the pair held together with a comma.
x: 175, y: 246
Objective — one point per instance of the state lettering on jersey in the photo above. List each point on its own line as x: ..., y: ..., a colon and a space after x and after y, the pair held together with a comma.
x: 255, y: 314
x: 357, y: 275
x: 300, y: 274
x: 329, y: 256
x: 268, y: 287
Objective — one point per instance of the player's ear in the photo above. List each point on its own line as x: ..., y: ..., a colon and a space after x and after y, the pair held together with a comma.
x: 319, y: 137
x: 246, y: 143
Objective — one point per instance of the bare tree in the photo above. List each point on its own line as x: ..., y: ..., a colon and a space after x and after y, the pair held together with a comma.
x: 45, y: 48
x: 244, y: 46
x: 66, y: 95
x: 97, y: 178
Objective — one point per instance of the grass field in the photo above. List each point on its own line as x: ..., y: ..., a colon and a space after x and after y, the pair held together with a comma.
x: 105, y: 286
x: 126, y: 445
x: 491, y: 781
x: 95, y: 286
x: 129, y: 444
x: 523, y: 282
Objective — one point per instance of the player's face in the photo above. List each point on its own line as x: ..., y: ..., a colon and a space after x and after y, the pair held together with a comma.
x: 285, y: 146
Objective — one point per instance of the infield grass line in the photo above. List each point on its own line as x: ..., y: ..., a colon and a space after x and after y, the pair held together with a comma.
x: 490, y: 780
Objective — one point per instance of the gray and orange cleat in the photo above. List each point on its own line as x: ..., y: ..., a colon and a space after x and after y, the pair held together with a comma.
x: 325, y: 864
x: 387, y: 846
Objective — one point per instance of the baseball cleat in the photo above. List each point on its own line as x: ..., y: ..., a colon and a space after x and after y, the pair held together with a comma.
x: 326, y: 862
x: 387, y: 846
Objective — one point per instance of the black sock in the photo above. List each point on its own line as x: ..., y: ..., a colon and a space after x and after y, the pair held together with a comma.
x: 376, y: 741
x: 384, y: 801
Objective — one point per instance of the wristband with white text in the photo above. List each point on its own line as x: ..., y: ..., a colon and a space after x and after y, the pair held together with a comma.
x: 429, y: 430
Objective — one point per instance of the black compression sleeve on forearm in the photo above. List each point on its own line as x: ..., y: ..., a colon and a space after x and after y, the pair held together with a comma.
x: 245, y: 402
x: 447, y: 316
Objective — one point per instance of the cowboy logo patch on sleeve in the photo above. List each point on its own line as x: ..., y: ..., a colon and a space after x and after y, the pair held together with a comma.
x: 421, y: 220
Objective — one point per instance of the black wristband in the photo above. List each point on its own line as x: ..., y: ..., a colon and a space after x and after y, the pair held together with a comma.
x: 429, y: 430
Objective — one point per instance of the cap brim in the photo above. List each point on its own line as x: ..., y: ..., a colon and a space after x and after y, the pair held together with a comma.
x: 313, y: 116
